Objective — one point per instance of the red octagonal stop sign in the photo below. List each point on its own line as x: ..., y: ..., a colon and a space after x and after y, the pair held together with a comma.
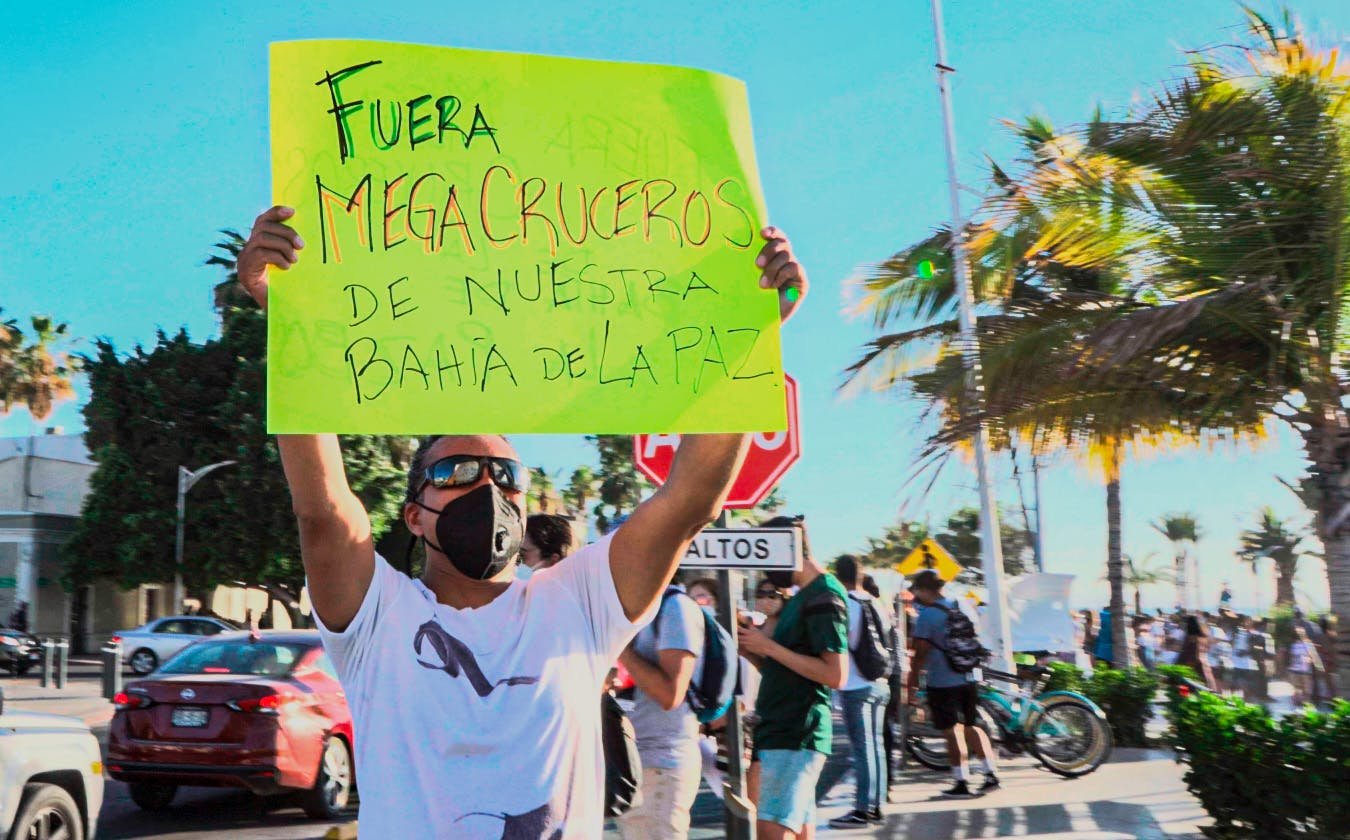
x: 770, y: 456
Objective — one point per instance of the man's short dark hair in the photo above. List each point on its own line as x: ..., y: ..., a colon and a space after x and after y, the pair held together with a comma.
x: 928, y: 580
x: 551, y: 533
x: 797, y: 521
x: 846, y: 569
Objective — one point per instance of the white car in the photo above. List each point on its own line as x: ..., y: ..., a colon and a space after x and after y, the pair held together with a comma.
x: 51, y: 776
x: 155, y: 641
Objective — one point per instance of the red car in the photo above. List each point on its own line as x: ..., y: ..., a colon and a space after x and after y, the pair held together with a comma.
x: 262, y: 711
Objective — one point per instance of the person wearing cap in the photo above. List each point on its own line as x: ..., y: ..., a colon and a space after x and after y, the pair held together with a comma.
x: 953, y: 697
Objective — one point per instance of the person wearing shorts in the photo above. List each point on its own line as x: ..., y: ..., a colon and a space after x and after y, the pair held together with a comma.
x: 953, y: 697
x: 804, y: 659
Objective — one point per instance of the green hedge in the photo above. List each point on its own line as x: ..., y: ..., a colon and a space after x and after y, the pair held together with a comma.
x: 1126, y: 697
x: 1265, y: 779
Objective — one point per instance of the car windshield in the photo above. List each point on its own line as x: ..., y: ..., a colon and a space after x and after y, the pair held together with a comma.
x: 241, y: 657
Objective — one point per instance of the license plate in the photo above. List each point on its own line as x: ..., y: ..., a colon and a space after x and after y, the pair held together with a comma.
x: 187, y: 716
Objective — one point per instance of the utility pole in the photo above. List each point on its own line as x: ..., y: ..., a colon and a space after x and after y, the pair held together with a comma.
x: 997, y: 626
x: 186, y: 479
x: 1040, y: 514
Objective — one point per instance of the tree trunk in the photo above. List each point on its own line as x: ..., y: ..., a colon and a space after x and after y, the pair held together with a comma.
x: 1115, y: 565
x: 288, y: 601
x: 1327, y: 443
x: 1284, y: 584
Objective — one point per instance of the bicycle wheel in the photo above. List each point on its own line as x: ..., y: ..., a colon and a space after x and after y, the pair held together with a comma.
x: 1069, y: 736
x: 929, y: 746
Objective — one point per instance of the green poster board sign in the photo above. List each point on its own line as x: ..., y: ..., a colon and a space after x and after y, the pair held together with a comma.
x: 515, y: 243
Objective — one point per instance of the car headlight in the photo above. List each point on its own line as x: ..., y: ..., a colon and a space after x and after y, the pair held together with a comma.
x: 9, y: 640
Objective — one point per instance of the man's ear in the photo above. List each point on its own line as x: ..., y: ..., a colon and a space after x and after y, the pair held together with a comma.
x: 410, y: 517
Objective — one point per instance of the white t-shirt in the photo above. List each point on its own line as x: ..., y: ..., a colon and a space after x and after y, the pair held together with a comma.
x: 482, y: 723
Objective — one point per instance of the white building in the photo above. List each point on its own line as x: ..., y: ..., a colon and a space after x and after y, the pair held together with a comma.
x: 43, y: 482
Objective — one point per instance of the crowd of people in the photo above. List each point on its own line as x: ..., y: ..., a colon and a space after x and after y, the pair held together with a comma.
x: 1230, y: 652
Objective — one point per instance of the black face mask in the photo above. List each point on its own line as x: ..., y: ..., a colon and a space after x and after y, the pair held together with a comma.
x: 480, y: 532
x: 780, y: 578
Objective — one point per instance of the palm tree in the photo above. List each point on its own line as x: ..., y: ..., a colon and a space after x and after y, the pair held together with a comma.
x: 34, y: 373
x: 228, y: 294
x: 1139, y: 575
x: 1218, y: 211
x: 580, y: 488
x: 1037, y: 309
x: 1274, y: 539
x: 542, y: 497
x: 1182, y: 531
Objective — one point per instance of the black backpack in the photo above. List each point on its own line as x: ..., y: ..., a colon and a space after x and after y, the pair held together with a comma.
x: 963, y: 651
x: 711, y: 694
x: 871, y: 655
x: 623, y: 765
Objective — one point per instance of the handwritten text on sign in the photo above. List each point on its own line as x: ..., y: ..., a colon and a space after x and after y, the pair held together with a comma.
x: 514, y: 243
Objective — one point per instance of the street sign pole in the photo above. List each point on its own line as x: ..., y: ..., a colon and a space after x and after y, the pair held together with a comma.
x: 740, y: 817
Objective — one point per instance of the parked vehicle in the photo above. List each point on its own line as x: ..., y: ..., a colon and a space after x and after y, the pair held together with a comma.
x: 19, y: 651
x: 51, y: 776
x: 260, y: 710
x: 153, y: 642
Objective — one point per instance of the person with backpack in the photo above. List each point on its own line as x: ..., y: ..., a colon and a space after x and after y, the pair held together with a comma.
x: 663, y: 660
x: 864, y: 697
x: 948, y: 650
x: 804, y: 659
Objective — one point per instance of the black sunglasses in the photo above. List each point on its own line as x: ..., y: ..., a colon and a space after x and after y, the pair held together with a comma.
x: 768, y: 593
x: 464, y: 470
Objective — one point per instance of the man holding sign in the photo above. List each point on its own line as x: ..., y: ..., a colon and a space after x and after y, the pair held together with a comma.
x: 474, y: 694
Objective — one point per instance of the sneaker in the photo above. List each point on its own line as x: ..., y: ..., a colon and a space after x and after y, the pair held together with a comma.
x: 853, y: 819
x: 874, y: 816
x: 991, y: 782
x: 960, y: 789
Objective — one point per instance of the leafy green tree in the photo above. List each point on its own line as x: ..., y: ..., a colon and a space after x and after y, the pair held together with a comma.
x: 894, y: 544
x: 961, y: 537
x: 621, y: 486
x: 182, y: 403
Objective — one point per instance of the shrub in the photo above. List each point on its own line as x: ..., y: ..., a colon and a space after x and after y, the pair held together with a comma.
x: 1126, y: 697
x: 1260, y: 778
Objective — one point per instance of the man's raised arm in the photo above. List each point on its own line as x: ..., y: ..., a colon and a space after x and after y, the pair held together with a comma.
x: 648, y: 547
x: 335, y: 539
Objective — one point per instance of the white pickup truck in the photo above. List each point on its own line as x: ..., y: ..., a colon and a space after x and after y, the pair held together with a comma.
x: 51, y: 776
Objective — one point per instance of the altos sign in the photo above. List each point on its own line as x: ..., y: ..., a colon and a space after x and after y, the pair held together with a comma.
x: 770, y: 456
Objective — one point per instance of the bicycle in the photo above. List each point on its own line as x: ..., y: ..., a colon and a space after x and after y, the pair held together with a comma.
x: 1065, y: 731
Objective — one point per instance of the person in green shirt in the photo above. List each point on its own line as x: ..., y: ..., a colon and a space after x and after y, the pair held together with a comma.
x: 804, y: 659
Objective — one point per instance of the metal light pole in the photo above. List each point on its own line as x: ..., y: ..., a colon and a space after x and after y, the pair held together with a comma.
x: 1040, y: 514
x: 186, y: 479
x: 1000, y: 641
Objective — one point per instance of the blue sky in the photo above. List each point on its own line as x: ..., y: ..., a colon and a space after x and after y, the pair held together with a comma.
x: 134, y: 131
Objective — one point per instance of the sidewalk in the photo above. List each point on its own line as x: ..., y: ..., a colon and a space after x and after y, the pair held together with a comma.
x: 80, y: 698
x: 1137, y: 794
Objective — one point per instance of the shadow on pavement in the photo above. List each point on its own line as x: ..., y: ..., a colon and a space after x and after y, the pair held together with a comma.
x: 208, y: 810
x: 972, y: 821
